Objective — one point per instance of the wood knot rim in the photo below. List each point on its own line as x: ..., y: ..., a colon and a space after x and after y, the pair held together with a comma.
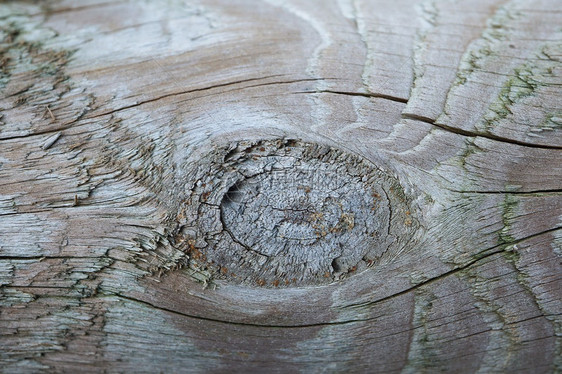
x: 288, y: 213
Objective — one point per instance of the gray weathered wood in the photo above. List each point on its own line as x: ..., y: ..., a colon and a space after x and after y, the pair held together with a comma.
x: 136, y: 199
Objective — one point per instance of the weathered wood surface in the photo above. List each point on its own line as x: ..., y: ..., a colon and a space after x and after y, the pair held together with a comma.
x: 109, y: 109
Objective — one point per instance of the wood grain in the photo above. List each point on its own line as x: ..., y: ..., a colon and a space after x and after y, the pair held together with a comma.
x: 109, y: 111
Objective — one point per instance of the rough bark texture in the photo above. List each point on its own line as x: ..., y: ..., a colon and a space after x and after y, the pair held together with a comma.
x: 282, y: 186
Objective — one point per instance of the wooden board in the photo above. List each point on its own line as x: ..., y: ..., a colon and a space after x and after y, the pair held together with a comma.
x: 158, y: 157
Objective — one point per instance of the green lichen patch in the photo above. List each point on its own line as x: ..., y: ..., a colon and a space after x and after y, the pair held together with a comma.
x: 508, y: 209
x: 522, y: 84
x: 38, y: 93
x: 496, y: 34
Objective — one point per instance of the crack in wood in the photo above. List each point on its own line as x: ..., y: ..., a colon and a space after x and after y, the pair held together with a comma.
x: 500, y: 248
x: 466, y: 133
x: 360, y: 94
x: 221, y: 85
x: 523, y: 193
x: 490, y: 252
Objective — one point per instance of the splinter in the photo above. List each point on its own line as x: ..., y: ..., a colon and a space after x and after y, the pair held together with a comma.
x: 50, y: 113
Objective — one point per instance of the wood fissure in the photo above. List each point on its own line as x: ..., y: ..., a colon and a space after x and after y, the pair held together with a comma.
x: 477, y: 134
